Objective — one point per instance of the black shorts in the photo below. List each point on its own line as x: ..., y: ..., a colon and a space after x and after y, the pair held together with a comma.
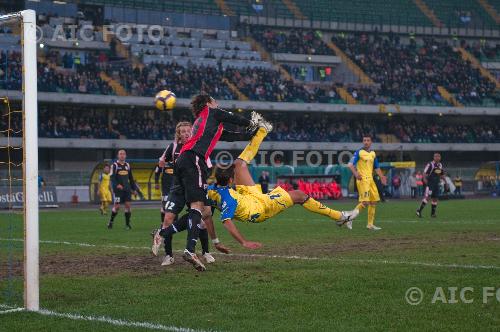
x: 190, y: 177
x: 432, y: 190
x: 175, y: 201
x: 122, y: 196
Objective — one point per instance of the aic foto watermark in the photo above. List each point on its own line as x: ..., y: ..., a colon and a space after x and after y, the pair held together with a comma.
x: 453, y: 295
x: 313, y: 158
x: 86, y: 32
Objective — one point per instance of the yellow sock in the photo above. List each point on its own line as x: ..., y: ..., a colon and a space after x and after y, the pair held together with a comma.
x: 314, y: 206
x: 253, y: 146
x: 360, y: 206
x: 371, y: 214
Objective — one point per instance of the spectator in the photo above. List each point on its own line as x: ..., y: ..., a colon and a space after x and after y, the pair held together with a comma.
x: 457, y: 181
x: 264, y: 182
x: 396, y: 184
x: 413, y: 185
x: 420, y: 183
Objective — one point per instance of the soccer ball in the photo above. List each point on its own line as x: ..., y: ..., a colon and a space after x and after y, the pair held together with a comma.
x: 165, y: 100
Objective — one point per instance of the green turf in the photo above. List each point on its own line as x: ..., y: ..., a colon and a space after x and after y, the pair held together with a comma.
x: 357, y: 280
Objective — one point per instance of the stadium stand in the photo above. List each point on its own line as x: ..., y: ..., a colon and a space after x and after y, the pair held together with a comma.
x: 65, y: 122
x: 292, y: 41
x: 461, y: 13
x: 365, y: 11
x: 410, y: 73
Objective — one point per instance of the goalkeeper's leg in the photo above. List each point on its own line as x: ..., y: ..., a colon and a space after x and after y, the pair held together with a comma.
x: 242, y: 175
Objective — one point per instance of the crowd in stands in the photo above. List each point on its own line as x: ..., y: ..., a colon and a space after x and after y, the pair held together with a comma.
x: 268, y: 85
x: 69, y: 77
x: 184, y: 81
x: 293, y: 41
x: 411, y: 73
x: 140, y: 124
x: 482, y: 50
x: 328, y: 128
x: 101, y: 125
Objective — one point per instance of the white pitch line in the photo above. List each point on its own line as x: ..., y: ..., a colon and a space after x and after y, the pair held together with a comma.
x: 104, y: 319
x: 11, y: 310
x: 117, y: 322
x: 294, y: 257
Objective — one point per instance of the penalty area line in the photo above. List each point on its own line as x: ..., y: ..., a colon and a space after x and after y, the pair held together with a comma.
x: 104, y: 319
x: 289, y: 257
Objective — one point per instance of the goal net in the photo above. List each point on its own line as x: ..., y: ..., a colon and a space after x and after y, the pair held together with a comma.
x: 18, y: 162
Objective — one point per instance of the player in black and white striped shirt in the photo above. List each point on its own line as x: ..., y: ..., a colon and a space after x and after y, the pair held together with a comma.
x: 433, y: 173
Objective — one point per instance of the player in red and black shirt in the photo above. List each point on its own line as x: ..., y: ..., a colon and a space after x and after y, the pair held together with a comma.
x: 433, y: 173
x: 123, y: 184
x: 191, y: 168
x: 165, y: 167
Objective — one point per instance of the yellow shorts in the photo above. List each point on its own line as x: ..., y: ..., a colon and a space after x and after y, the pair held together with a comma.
x: 266, y: 205
x: 367, y: 190
x: 105, y: 195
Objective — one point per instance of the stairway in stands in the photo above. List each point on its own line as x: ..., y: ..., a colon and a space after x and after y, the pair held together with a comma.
x: 448, y: 96
x: 467, y: 56
x: 364, y: 79
x: 428, y: 12
x: 490, y: 10
x: 292, y: 7
x: 225, y: 8
x: 234, y: 89
x: 267, y: 57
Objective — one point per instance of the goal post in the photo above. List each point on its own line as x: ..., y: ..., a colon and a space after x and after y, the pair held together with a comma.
x: 27, y: 21
x: 30, y: 161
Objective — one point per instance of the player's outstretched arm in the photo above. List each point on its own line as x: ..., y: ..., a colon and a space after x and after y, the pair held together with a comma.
x: 231, y: 228
x: 209, y: 224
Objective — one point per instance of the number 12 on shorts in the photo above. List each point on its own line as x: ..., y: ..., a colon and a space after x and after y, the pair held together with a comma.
x: 169, y: 205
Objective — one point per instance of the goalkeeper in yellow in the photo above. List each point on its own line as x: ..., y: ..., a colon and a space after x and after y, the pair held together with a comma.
x: 362, y: 165
x: 238, y: 198
x: 104, y: 191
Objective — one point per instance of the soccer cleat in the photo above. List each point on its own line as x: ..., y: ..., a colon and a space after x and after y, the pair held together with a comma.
x: 268, y: 126
x: 433, y: 215
x: 194, y: 260
x: 419, y: 214
x: 373, y: 228
x: 128, y: 227
x: 167, y: 260
x: 110, y: 225
x: 347, y: 218
x: 255, y: 119
x: 208, y: 258
x: 157, y: 241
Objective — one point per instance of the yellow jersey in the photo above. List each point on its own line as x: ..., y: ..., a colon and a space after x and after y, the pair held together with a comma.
x: 365, y: 162
x: 248, y: 203
x: 104, y: 181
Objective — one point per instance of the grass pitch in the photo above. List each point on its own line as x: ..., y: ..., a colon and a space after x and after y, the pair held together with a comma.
x: 310, y: 275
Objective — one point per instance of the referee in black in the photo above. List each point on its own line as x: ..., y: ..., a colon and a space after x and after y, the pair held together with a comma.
x: 123, y: 184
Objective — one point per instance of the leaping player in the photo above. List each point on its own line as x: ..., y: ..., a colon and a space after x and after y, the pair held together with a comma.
x: 238, y: 198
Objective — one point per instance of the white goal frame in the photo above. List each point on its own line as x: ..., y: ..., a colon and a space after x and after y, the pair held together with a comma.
x: 27, y: 19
